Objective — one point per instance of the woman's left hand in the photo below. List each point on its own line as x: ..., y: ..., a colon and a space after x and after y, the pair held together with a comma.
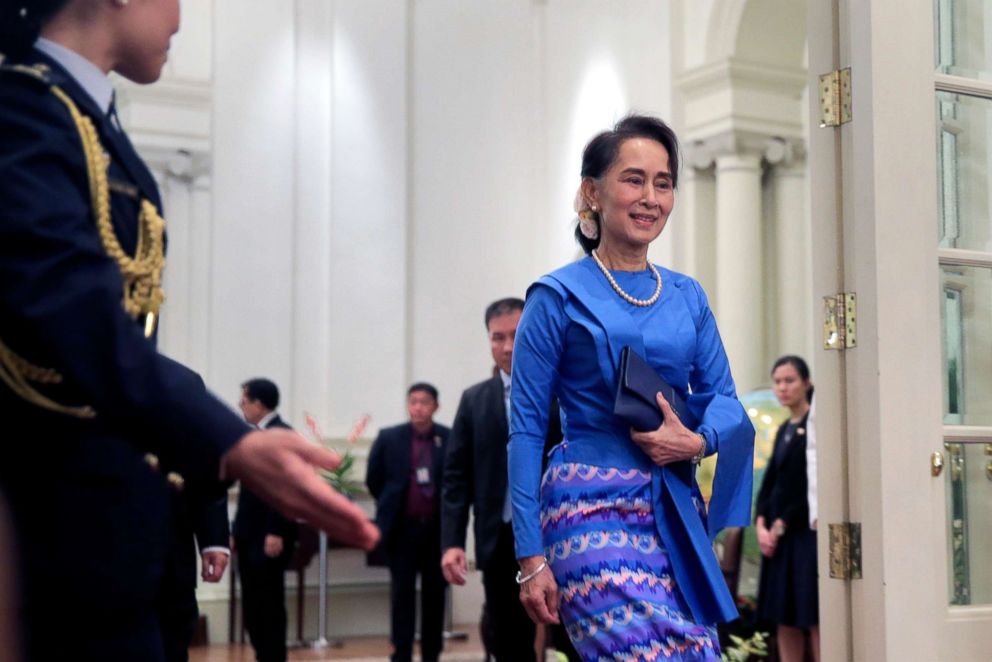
x: 671, y: 442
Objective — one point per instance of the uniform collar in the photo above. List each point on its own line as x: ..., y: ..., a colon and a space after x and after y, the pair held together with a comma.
x: 89, y: 77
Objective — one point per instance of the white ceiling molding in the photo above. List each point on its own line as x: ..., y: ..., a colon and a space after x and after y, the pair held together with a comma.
x: 739, y: 97
x: 724, y: 24
x: 172, y: 115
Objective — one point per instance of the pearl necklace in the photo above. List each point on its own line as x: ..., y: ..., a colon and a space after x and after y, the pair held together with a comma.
x: 644, y: 303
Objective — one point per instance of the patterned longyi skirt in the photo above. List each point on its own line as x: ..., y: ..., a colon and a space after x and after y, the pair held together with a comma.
x: 619, y: 599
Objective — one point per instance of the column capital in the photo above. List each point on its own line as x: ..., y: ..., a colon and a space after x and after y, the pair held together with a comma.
x: 773, y: 150
x: 180, y: 164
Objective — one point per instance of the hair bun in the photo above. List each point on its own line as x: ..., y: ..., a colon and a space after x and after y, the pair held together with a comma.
x: 21, y: 22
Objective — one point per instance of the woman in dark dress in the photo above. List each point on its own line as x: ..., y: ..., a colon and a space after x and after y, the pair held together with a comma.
x: 788, y: 592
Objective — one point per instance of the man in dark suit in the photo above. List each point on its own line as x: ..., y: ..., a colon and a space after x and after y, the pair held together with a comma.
x: 475, y: 477
x: 198, y: 521
x: 263, y: 540
x: 404, y: 471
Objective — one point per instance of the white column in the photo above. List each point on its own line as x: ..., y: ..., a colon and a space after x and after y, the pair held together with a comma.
x: 739, y: 298
x: 185, y: 188
x: 792, y: 264
x: 199, y: 265
x: 176, y: 280
x: 310, y: 387
x: 693, y: 226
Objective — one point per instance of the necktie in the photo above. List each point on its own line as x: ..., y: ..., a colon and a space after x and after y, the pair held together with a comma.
x: 507, y: 502
x: 112, y: 117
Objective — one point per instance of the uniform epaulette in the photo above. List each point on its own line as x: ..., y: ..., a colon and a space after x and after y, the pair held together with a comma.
x: 38, y: 72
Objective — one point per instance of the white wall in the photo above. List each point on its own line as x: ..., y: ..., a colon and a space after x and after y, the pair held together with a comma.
x: 358, y: 156
x: 602, y: 61
x: 505, y: 95
x: 365, y: 177
x: 254, y: 201
x: 368, y: 188
x: 310, y: 198
x: 476, y: 179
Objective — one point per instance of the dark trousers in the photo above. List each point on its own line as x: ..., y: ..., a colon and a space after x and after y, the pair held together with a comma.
x: 263, y: 603
x: 103, y: 636
x: 415, y: 548
x: 513, y: 631
x: 177, y: 617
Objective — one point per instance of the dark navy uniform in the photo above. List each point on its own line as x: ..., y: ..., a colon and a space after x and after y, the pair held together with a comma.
x: 87, y: 479
x: 197, y: 522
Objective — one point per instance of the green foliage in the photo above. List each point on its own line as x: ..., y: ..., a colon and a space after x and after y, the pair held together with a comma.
x: 743, y: 650
x: 341, y: 478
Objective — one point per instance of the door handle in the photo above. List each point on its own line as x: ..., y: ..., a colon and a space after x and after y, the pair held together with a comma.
x: 936, y: 463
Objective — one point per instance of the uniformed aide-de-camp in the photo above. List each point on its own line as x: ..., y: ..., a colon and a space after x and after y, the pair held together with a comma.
x: 97, y: 423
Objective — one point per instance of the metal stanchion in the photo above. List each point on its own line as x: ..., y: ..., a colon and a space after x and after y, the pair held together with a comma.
x: 449, y: 632
x: 321, y: 640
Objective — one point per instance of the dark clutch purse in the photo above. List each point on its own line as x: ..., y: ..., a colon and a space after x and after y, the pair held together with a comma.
x: 636, y: 388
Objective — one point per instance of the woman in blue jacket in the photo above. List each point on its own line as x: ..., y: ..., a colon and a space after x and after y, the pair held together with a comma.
x: 615, y: 534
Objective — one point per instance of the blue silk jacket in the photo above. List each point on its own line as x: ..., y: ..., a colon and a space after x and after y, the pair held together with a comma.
x: 567, y: 346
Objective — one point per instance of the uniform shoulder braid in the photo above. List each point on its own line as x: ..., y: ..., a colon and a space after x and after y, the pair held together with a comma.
x: 38, y: 73
x: 142, y: 272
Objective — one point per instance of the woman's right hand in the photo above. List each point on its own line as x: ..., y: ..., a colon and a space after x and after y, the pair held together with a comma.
x: 767, y: 541
x: 540, y: 594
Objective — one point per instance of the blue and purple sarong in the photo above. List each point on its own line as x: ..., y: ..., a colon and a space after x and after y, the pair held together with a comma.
x: 619, y: 599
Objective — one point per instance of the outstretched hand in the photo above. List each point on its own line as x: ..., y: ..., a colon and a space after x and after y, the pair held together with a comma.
x: 278, y: 465
x: 671, y: 442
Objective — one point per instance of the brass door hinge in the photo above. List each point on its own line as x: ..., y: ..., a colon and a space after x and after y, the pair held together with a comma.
x: 835, y: 98
x: 840, y: 321
x: 845, y: 550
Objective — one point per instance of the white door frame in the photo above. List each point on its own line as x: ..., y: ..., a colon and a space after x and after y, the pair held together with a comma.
x: 893, y: 385
x: 879, y: 405
x: 828, y: 367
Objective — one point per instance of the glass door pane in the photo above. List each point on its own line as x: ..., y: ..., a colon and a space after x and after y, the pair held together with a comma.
x: 969, y: 518
x: 967, y: 344
x: 964, y: 38
x: 964, y: 156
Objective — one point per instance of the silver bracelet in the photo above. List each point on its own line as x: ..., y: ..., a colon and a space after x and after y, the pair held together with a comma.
x: 524, y: 580
x: 701, y: 455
